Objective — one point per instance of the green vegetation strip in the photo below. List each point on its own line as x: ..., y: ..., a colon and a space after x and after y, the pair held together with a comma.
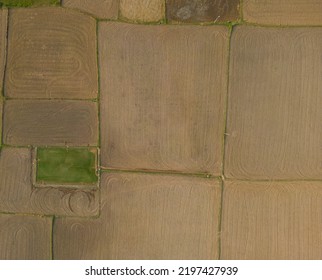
x: 28, y: 3
x: 66, y: 165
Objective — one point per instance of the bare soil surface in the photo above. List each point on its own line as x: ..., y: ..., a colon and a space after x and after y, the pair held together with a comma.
x: 52, y: 54
x: 48, y: 122
x: 162, y: 96
x: 163, y: 209
x: 25, y: 238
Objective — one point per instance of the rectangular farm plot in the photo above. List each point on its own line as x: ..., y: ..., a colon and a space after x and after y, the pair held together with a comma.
x: 202, y: 10
x: 287, y: 12
x: 51, y: 54
x: 274, y: 127
x: 25, y: 238
x: 142, y: 10
x: 162, y: 96
x: 146, y: 217
x: 52, y: 123
x: 103, y: 9
x: 272, y: 220
x: 66, y: 165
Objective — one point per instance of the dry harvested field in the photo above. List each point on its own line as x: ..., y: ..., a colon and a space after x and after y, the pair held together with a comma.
x: 160, y: 129
x: 51, y: 54
x: 103, y: 9
x: 25, y: 237
x: 50, y: 122
x: 168, y: 112
x: 286, y: 12
x: 142, y: 10
x: 272, y: 220
x: 275, y: 126
x: 170, y: 213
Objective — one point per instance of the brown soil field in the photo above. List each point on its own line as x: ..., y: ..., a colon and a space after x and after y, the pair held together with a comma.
x: 52, y: 54
x: 274, y: 127
x: 202, y: 10
x: 142, y: 10
x: 48, y: 122
x: 288, y: 12
x: 162, y: 100
x: 17, y: 195
x: 161, y: 129
x: 272, y: 220
x: 176, y: 218
x: 25, y: 237
x: 103, y: 9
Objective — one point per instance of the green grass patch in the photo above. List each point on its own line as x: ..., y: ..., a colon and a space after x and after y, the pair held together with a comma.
x: 66, y: 165
x: 28, y: 3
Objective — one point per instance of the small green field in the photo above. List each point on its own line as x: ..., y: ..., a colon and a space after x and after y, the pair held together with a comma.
x: 61, y: 165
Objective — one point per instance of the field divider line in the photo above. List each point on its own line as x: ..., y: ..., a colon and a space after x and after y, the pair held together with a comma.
x: 224, y: 139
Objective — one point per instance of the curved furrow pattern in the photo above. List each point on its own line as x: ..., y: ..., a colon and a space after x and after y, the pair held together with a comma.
x: 17, y: 195
x: 103, y: 9
x: 176, y: 218
x: 52, y: 54
x: 25, y: 237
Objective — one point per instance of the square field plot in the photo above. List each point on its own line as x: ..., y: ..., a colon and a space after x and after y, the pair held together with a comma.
x: 146, y: 217
x: 266, y: 220
x: 287, y: 12
x: 51, y: 54
x: 50, y: 123
x: 66, y: 166
x: 274, y: 127
x: 162, y: 96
